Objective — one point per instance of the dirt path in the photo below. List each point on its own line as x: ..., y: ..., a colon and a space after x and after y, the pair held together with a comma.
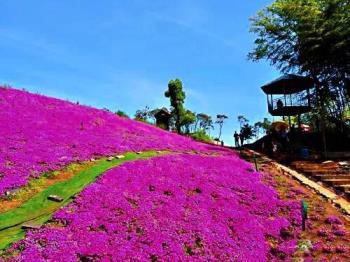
x: 327, y: 234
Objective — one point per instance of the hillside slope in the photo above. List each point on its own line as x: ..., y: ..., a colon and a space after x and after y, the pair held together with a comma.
x: 39, y: 134
x: 189, y: 202
x: 187, y: 208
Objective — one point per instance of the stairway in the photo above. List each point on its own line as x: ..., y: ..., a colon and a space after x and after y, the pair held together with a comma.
x: 331, y: 173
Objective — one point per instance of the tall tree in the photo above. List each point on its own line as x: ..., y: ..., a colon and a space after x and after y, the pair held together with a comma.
x: 220, y: 119
x: 177, y: 98
x: 247, y: 132
x: 242, y: 120
x: 208, y: 125
x: 143, y: 114
x: 187, y: 120
x: 201, y: 119
x: 311, y: 37
x: 262, y: 125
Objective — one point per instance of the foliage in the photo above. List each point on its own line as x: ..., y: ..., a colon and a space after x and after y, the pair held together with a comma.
x: 310, y: 37
x: 242, y: 120
x: 122, y: 114
x: 177, y: 98
x: 201, y: 135
x: 346, y: 114
x: 188, y: 119
x: 201, y: 118
x: 262, y: 126
x: 247, y: 131
x: 206, y: 123
x: 220, y: 119
x: 143, y: 114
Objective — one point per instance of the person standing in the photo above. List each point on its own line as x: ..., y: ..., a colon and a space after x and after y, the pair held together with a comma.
x: 236, y: 136
x: 241, y: 137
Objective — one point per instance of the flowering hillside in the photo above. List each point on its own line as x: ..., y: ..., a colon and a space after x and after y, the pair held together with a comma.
x: 39, y: 134
x: 170, y: 207
x: 188, y: 202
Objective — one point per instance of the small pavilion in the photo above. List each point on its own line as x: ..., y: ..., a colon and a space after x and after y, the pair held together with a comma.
x: 289, y: 96
x: 162, y: 117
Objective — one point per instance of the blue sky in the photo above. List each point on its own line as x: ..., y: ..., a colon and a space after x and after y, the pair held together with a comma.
x: 121, y: 54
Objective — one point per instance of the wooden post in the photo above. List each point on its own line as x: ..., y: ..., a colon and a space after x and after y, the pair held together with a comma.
x: 256, y: 163
x: 304, y: 211
x: 289, y: 121
x: 285, y: 100
x: 321, y: 114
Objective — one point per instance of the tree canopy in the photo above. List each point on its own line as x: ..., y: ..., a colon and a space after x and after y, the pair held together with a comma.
x: 220, y: 119
x: 177, y: 98
x: 187, y: 120
x: 143, y: 114
x: 310, y: 37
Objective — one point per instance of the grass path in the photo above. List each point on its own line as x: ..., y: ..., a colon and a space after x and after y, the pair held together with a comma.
x: 38, y: 209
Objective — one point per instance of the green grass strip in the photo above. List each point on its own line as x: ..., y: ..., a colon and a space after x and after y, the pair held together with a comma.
x: 39, y: 209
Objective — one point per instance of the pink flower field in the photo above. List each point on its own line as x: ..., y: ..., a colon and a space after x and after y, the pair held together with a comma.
x: 174, y: 208
x: 40, y: 134
x: 196, y: 202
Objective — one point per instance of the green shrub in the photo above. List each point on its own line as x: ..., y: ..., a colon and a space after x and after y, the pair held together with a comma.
x: 122, y: 114
x: 200, y: 135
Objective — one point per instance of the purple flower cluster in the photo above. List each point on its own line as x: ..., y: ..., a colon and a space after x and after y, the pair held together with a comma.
x: 334, y: 220
x: 177, y: 208
x: 40, y: 134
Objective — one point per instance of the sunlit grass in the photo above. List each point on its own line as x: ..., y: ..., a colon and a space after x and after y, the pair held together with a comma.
x: 38, y: 209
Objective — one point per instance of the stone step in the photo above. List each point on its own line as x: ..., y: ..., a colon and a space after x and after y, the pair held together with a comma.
x: 335, y: 176
x: 318, y: 169
x: 55, y: 198
x: 319, y: 172
x: 337, y: 181
x: 345, y: 187
x: 314, y: 165
x: 30, y: 225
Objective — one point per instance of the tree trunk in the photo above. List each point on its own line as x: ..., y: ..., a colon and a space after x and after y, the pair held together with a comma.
x: 178, y: 126
x: 220, y: 131
x: 321, y: 114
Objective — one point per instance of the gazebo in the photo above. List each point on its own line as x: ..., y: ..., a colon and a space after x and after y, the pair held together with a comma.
x: 162, y: 117
x: 289, y: 96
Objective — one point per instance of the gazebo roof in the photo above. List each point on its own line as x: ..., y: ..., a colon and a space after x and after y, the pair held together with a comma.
x: 288, y: 84
x: 161, y: 112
